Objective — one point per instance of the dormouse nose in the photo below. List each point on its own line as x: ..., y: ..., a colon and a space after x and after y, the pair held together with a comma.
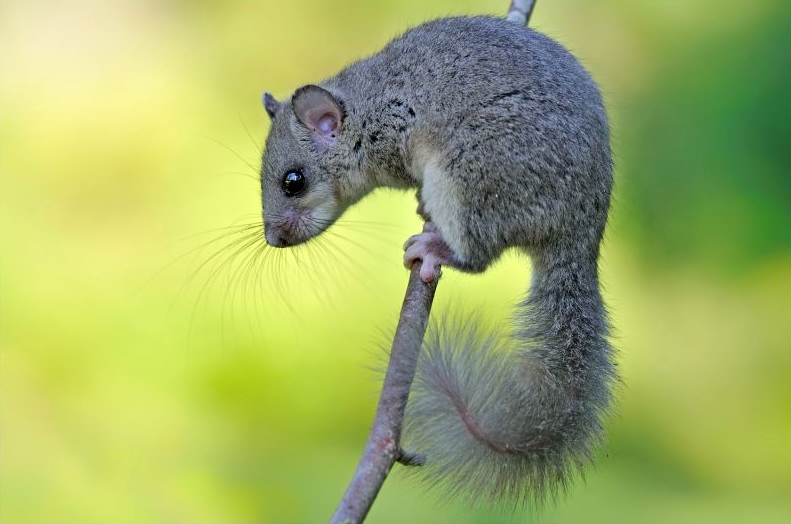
x: 271, y: 238
x: 275, y: 238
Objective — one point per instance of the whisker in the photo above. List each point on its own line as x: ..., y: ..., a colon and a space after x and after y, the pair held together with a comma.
x: 231, y: 150
x: 368, y: 224
x: 243, y: 244
x: 225, y: 232
x: 254, y: 273
x: 232, y: 287
x: 254, y: 178
x: 256, y: 143
x: 236, y: 238
x: 249, y: 293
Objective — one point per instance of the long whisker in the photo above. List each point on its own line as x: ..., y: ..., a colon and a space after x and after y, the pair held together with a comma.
x: 246, y: 241
x: 250, y: 270
x: 233, y: 284
x: 256, y: 143
x: 232, y: 151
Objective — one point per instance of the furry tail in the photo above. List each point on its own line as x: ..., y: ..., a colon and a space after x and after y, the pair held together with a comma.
x: 513, y: 421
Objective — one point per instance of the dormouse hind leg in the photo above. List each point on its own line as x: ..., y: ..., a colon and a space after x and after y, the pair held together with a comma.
x: 432, y: 250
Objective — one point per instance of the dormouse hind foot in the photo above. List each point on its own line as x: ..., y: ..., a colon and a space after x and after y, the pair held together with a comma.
x: 431, y: 249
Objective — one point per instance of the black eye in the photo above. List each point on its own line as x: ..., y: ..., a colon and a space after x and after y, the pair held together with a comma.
x: 293, y: 183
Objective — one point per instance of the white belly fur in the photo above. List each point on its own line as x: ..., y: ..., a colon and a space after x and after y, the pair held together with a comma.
x: 441, y: 198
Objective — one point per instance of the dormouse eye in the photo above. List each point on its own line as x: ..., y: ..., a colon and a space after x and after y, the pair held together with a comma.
x: 293, y: 183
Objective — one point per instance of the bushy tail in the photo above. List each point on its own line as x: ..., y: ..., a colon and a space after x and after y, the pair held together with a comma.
x: 512, y: 420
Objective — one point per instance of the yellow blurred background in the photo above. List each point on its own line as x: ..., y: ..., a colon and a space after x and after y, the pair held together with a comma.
x: 155, y: 368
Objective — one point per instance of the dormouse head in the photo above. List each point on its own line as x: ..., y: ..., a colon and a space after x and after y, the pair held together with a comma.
x: 306, y: 166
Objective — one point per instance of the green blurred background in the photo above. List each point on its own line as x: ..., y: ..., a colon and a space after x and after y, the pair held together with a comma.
x: 140, y: 385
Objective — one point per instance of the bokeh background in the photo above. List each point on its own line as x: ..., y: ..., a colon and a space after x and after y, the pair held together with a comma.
x: 156, y: 367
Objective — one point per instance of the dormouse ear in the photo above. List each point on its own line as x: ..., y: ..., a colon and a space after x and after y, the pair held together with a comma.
x: 271, y: 105
x: 318, y: 110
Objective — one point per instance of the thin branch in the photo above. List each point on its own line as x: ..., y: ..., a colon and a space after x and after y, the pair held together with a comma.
x: 382, y: 448
x: 520, y: 11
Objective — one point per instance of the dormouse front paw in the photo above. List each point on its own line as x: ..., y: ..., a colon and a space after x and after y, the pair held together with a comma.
x: 431, y: 249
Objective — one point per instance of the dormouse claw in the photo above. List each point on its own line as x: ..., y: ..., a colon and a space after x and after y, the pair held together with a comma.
x: 430, y: 247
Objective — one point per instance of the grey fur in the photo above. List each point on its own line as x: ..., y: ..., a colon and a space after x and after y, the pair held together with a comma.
x: 517, y: 130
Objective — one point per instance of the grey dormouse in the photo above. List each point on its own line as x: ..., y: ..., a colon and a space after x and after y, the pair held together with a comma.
x: 505, y: 136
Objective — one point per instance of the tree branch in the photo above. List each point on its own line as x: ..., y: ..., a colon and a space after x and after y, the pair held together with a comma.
x: 520, y: 11
x: 382, y: 448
